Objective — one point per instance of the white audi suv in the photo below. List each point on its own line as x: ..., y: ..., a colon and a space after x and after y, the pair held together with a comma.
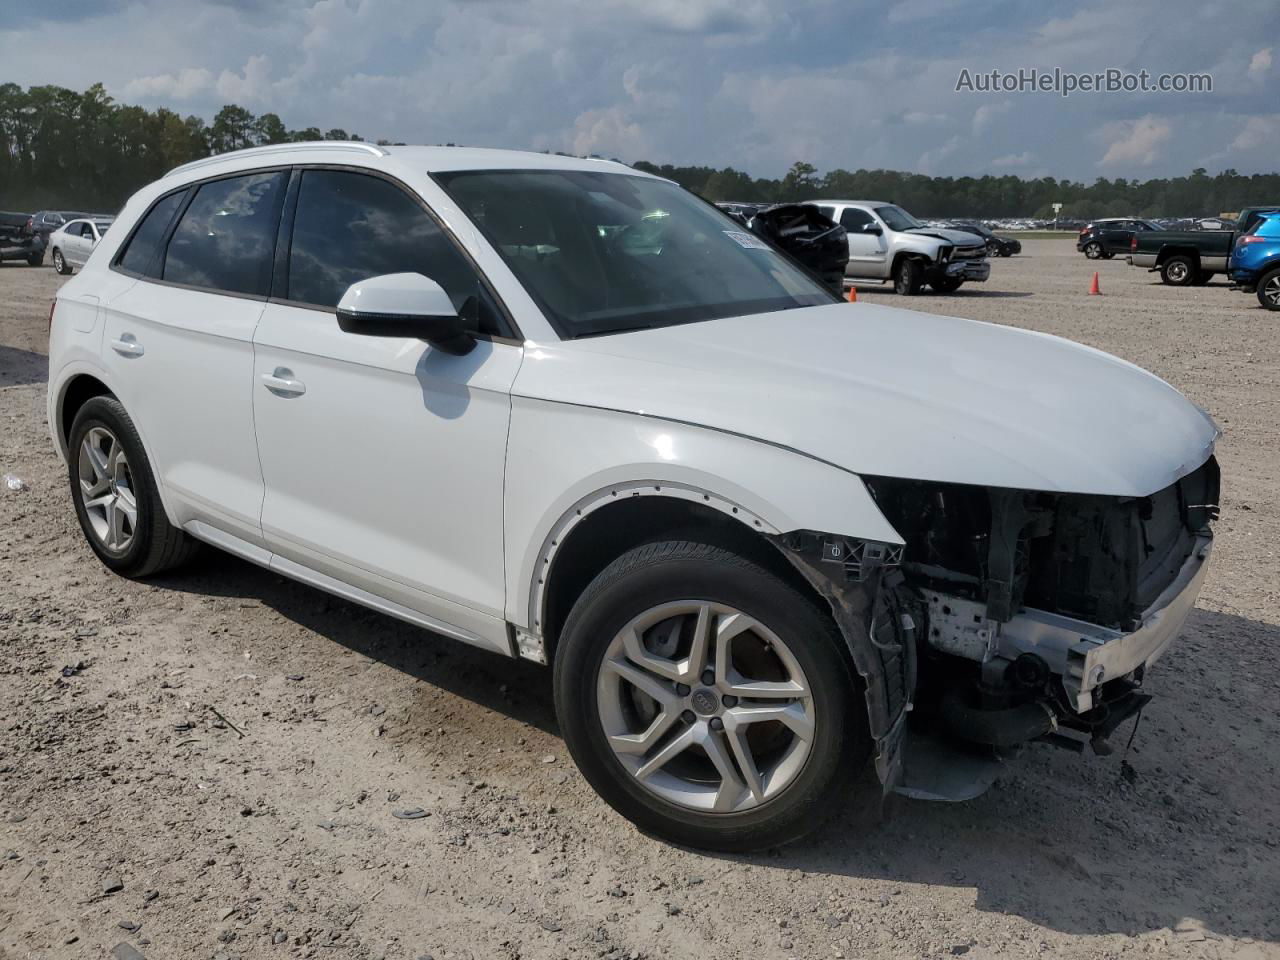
x: 566, y: 411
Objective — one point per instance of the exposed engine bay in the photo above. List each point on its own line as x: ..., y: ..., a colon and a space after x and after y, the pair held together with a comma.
x: 1010, y: 615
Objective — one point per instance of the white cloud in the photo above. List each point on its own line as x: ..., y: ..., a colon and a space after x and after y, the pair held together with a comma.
x: 252, y: 85
x: 1258, y: 132
x: 1024, y: 159
x: 986, y: 114
x: 1260, y: 64
x: 183, y: 85
x: 1136, y: 142
x: 609, y: 133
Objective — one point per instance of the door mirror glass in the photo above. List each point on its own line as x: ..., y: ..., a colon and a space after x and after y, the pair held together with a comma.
x: 873, y: 229
x: 404, y: 305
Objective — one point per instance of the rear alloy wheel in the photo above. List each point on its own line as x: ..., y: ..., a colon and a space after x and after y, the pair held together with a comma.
x: 1093, y: 250
x: 906, y: 278
x: 1178, y: 271
x: 115, y: 493
x: 1269, y: 290
x: 59, y: 264
x: 707, y: 701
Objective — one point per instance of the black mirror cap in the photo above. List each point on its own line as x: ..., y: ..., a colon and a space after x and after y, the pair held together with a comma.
x: 446, y: 333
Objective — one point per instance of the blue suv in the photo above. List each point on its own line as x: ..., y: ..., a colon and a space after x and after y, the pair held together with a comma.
x: 1255, y: 261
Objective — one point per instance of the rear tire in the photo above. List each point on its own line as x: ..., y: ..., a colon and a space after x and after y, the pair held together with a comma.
x: 115, y: 494
x: 906, y: 278
x: 647, y: 608
x: 1178, y: 271
x: 1269, y: 289
x: 1093, y: 250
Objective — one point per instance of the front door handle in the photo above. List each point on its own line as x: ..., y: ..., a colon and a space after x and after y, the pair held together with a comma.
x: 127, y: 346
x: 282, y: 383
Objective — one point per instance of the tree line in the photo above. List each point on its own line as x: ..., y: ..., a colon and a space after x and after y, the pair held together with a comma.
x: 64, y: 149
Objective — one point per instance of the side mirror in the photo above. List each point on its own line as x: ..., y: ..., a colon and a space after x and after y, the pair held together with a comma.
x: 873, y: 229
x: 404, y: 305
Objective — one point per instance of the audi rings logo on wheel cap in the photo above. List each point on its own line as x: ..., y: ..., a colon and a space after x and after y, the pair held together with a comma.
x: 704, y: 701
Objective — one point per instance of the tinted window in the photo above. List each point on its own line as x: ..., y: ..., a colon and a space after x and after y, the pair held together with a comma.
x: 853, y: 219
x: 86, y: 231
x: 350, y: 227
x: 141, y: 256
x: 226, y: 239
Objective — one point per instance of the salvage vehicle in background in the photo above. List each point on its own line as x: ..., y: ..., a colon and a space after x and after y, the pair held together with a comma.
x: 1103, y: 239
x: 18, y: 241
x: 813, y: 240
x: 44, y: 222
x: 997, y: 246
x: 1255, y: 260
x: 73, y: 242
x: 887, y: 243
x: 757, y: 530
x: 1186, y: 257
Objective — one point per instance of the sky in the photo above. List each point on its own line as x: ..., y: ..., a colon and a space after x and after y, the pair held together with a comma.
x: 750, y: 84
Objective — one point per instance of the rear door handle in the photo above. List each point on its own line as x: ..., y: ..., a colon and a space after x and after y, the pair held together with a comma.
x: 127, y: 346
x: 282, y: 383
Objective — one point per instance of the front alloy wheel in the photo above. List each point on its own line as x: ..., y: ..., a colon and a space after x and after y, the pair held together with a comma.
x: 724, y: 727
x: 707, y: 700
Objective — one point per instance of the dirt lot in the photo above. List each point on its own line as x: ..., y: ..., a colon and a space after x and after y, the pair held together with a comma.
x: 133, y: 811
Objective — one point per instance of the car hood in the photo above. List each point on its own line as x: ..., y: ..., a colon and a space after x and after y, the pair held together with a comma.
x: 957, y: 237
x: 886, y: 392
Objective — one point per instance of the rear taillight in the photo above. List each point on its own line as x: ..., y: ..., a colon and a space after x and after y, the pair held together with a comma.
x: 52, y: 307
x: 1133, y: 242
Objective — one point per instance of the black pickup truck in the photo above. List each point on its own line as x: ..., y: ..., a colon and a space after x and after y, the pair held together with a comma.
x: 1186, y: 257
x: 18, y: 241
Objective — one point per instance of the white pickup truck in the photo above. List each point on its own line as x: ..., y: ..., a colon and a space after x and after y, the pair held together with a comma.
x: 887, y: 243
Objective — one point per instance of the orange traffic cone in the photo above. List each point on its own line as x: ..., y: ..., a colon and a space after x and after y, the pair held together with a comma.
x: 853, y: 294
x: 1094, y: 290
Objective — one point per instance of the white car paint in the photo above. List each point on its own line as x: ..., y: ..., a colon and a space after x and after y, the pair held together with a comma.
x: 429, y: 485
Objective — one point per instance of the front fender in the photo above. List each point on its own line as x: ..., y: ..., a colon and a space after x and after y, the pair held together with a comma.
x: 561, y: 457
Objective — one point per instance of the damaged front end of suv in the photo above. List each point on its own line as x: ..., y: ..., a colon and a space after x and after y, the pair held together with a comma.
x: 1010, y: 616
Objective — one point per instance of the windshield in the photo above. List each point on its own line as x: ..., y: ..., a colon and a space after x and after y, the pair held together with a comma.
x: 607, y: 252
x: 895, y: 218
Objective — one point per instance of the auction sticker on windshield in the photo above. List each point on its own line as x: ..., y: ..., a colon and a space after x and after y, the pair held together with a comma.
x: 746, y: 240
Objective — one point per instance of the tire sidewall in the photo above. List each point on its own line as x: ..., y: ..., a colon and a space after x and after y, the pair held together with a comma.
x: 1166, y: 272
x: 1262, y: 286
x: 107, y: 412
x: 840, y: 732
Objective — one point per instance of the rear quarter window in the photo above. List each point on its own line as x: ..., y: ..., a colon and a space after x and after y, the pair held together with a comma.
x: 142, y: 254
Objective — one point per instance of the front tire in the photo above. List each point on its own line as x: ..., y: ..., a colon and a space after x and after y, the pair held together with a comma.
x: 115, y: 494
x: 1269, y: 289
x: 36, y: 259
x: 60, y: 263
x: 706, y: 700
x: 906, y: 278
x: 947, y: 284
x: 1178, y: 271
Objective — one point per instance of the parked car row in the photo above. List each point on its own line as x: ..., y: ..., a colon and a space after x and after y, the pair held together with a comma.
x: 67, y: 235
x: 1193, y: 257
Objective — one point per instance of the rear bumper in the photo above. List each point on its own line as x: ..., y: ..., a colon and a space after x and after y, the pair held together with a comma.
x: 1147, y: 260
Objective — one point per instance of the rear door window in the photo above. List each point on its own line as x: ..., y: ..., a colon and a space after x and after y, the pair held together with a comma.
x: 226, y: 238
x: 142, y: 254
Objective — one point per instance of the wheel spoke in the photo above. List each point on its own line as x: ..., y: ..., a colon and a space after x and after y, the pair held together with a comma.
x: 95, y: 488
x: 644, y: 682
x: 642, y: 743
x: 697, y: 658
x: 99, y: 501
x: 728, y: 627
x: 792, y: 715
x: 766, y: 689
x: 96, y: 459
x: 633, y: 643
x: 129, y: 511
x: 731, y: 783
x: 113, y: 523
x: 673, y: 749
x: 737, y: 737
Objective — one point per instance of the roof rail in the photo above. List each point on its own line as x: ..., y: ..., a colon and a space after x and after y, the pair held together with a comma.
x: 337, y: 146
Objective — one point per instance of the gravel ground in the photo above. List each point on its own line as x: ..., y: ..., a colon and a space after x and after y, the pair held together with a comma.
x: 210, y: 764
